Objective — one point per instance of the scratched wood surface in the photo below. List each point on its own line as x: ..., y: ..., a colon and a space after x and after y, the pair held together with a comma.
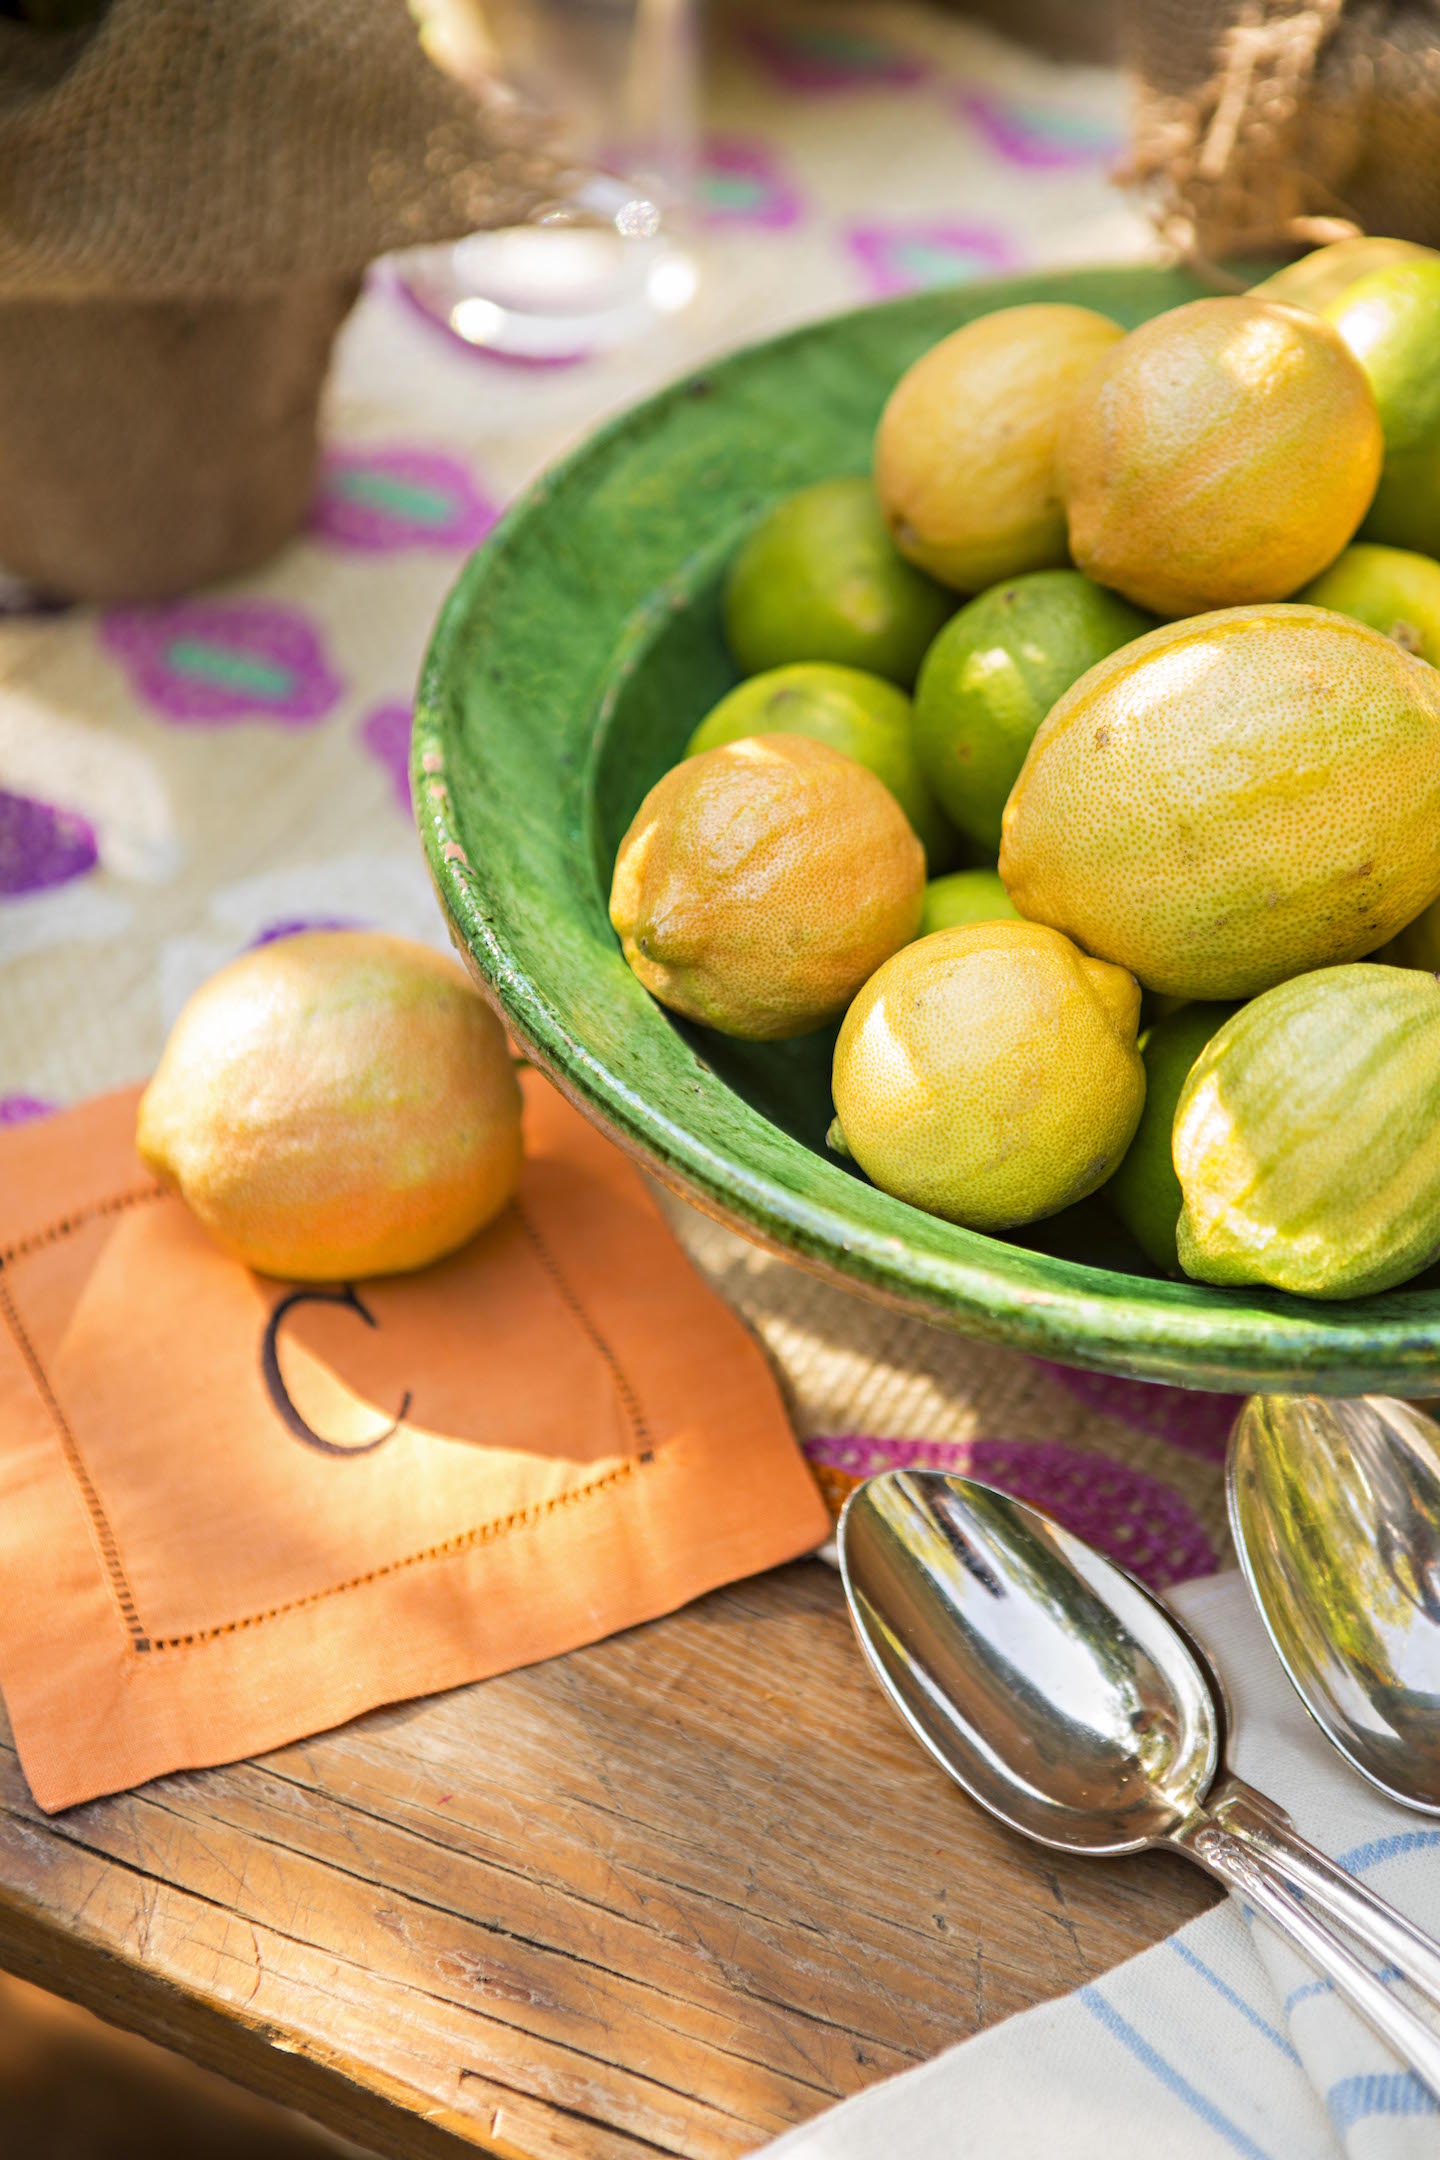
x: 670, y: 1895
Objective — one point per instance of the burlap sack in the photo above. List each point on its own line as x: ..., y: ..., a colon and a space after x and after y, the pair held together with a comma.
x: 1274, y: 125
x: 1083, y: 30
x: 188, y: 195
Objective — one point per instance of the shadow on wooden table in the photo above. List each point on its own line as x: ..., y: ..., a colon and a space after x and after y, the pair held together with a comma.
x: 74, y: 2089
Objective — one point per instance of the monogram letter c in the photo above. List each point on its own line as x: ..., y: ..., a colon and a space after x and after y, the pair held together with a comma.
x: 280, y: 1394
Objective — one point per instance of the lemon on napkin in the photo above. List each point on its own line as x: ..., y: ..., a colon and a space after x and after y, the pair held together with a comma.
x: 335, y: 1105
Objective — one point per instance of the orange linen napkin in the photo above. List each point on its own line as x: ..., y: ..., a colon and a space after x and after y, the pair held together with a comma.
x: 233, y: 1512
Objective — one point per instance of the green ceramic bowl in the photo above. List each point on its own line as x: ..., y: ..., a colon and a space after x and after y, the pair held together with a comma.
x: 579, y: 649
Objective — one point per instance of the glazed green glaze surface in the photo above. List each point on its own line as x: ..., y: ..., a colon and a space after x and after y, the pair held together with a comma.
x: 577, y: 653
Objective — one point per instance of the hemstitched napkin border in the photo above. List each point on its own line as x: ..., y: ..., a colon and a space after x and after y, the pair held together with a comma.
x: 706, y: 1483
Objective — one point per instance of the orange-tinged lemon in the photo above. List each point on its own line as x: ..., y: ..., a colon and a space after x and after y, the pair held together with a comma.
x: 1221, y: 454
x: 1232, y: 800
x: 965, y: 453
x: 990, y: 1074
x: 762, y: 881
x: 336, y: 1105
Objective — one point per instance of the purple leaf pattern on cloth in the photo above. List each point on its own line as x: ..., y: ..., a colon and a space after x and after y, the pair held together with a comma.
x: 1039, y: 138
x: 385, y: 732
x: 1127, y: 1514
x: 1195, y: 1423
x: 1132, y: 1517
x: 212, y: 661
x: 906, y: 257
x: 298, y: 925
x: 742, y: 182
x: 23, y: 1109
x: 42, y: 845
x: 385, y: 500
x: 820, y: 58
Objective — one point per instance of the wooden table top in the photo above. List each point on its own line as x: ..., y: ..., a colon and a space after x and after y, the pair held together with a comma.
x: 672, y: 1894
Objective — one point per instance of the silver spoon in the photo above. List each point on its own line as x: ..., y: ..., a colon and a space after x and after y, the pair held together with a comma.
x: 1335, y: 1509
x: 1076, y: 1709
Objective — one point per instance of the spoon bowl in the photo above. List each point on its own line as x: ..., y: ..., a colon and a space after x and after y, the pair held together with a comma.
x: 1335, y: 1510
x: 961, y: 1596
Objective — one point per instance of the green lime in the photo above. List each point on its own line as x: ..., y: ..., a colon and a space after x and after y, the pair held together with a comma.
x: 820, y: 579
x: 1145, y: 1192
x: 993, y: 674
x: 1391, y: 322
x: 966, y: 896
x: 1155, y: 1005
x: 866, y: 718
x: 1390, y: 588
x: 1318, y: 279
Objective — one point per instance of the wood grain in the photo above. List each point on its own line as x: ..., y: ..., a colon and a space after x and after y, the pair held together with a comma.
x: 672, y: 1894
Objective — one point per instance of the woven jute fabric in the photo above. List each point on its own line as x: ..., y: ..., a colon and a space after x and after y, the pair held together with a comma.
x: 851, y: 1368
x: 150, y: 446
x: 1281, y: 124
x: 188, y: 196
x: 177, y: 148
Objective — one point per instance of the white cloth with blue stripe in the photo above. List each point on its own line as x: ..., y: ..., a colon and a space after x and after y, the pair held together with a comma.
x: 1220, y: 2042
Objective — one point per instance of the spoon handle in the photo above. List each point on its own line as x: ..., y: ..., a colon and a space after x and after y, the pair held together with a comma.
x: 1374, y: 1922
x: 1259, y: 1879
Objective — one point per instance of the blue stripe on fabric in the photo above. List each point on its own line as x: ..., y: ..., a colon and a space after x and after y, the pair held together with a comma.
x: 1396, y: 2092
x: 1236, y: 2000
x: 1388, y: 1973
x: 1160, y: 2067
x: 1388, y: 1848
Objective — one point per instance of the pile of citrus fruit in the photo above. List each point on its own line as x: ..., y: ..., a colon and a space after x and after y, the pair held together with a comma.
x: 1086, y: 769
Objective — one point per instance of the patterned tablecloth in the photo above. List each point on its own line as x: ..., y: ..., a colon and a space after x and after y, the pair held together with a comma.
x: 179, y: 783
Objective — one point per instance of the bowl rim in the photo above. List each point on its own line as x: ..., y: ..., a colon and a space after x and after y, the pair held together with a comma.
x: 1256, y: 1340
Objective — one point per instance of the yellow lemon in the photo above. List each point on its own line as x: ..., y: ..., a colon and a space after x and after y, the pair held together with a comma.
x: 990, y: 1074
x: 336, y: 1105
x: 762, y: 881
x: 1222, y: 453
x: 965, y: 454
x: 1233, y: 799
